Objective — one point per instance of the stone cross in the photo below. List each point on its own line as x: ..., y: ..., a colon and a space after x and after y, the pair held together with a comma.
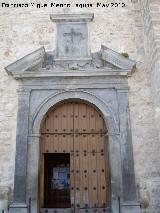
x: 73, y: 35
x: 72, y: 42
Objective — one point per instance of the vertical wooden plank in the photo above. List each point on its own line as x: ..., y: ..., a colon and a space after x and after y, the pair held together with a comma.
x: 72, y: 180
x: 103, y: 179
x: 50, y: 119
x: 89, y: 156
x: 92, y: 120
x: 85, y: 171
x: 59, y: 128
x: 89, y: 143
x: 92, y: 154
x: 107, y: 172
x: 64, y: 118
x: 63, y: 143
x: 83, y: 118
x: 59, y: 119
x: 51, y: 143
x: 76, y: 117
x: 55, y: 143
x: 94, y: 142
x: 70, y: 117
x: 87, y: 161
x: 88, y: 118
x: 81, y: 171
x: 77, y: 125
x: 94, y: 172
x: 102, y: 170
x: 99, y: 172
x: 68, y: 143
x: 55, y: 120
x: 59, y: 142
x: 70, y: 123
x: 77, y: 170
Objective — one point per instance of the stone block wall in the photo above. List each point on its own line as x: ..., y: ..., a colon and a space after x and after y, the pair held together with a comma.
x: 149, y: 187
x: 122, y: 29
x: 151, y: 19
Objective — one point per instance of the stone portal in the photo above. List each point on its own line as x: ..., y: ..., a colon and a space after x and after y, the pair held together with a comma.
x: 72, y: 74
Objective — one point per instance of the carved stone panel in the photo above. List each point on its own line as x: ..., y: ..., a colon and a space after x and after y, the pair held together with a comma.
x: 72, y: 40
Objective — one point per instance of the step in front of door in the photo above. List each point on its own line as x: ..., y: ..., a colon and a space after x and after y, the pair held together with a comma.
x: 50, y: 210
x: 88, y: 210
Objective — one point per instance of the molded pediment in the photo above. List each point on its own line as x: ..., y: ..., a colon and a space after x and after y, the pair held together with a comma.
x: 39, y: 61
x: 117, y: 59
x: 30, y: 61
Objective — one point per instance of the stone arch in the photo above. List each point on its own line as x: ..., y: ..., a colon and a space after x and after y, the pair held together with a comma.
x: 54, y: 99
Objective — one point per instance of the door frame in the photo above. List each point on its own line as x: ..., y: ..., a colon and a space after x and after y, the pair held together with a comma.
x: 117, y: 129
x: 109, y: 120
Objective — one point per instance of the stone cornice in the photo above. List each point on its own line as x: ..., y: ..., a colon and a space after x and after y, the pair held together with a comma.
x: 30, y: 66
x: 69, y: 74
x: 87, y: 17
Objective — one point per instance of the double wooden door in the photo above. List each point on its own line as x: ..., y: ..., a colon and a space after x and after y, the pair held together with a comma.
x: 74, y: 139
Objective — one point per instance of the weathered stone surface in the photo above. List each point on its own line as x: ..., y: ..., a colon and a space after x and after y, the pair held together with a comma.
x: 121, y: 29
x: 4, y: 197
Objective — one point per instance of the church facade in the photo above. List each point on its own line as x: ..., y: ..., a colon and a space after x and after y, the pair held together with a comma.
x: 86, y: 133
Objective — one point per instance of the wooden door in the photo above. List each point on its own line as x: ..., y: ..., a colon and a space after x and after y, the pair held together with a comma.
x: 79, y: 130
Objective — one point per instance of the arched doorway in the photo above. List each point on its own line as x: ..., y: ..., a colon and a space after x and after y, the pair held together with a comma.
x: 74, y: 170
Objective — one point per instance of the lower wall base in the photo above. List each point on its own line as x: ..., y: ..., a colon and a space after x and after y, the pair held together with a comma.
x: 125, y: 208
x: 130, y: 207
x: 18, y: 208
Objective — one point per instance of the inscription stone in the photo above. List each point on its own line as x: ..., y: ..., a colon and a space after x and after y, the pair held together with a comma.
x: 72, y: 37
x: 72, y: 41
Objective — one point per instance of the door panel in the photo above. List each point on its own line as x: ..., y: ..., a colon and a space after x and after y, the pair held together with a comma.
x: 79, y: 130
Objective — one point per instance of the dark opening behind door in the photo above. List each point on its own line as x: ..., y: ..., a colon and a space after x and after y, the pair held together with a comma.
x: 57, y: 180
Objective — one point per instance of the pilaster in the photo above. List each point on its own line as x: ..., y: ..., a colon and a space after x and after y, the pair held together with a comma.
x: 128, y: 200
x: 19, y: 199
x: 33, y: 171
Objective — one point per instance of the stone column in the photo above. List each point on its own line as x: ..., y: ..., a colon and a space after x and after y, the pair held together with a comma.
x: 112, y: 138
x: 19, y: 199
x: 33, y: 171
x: 115, y: 170
x: 128, y: 199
